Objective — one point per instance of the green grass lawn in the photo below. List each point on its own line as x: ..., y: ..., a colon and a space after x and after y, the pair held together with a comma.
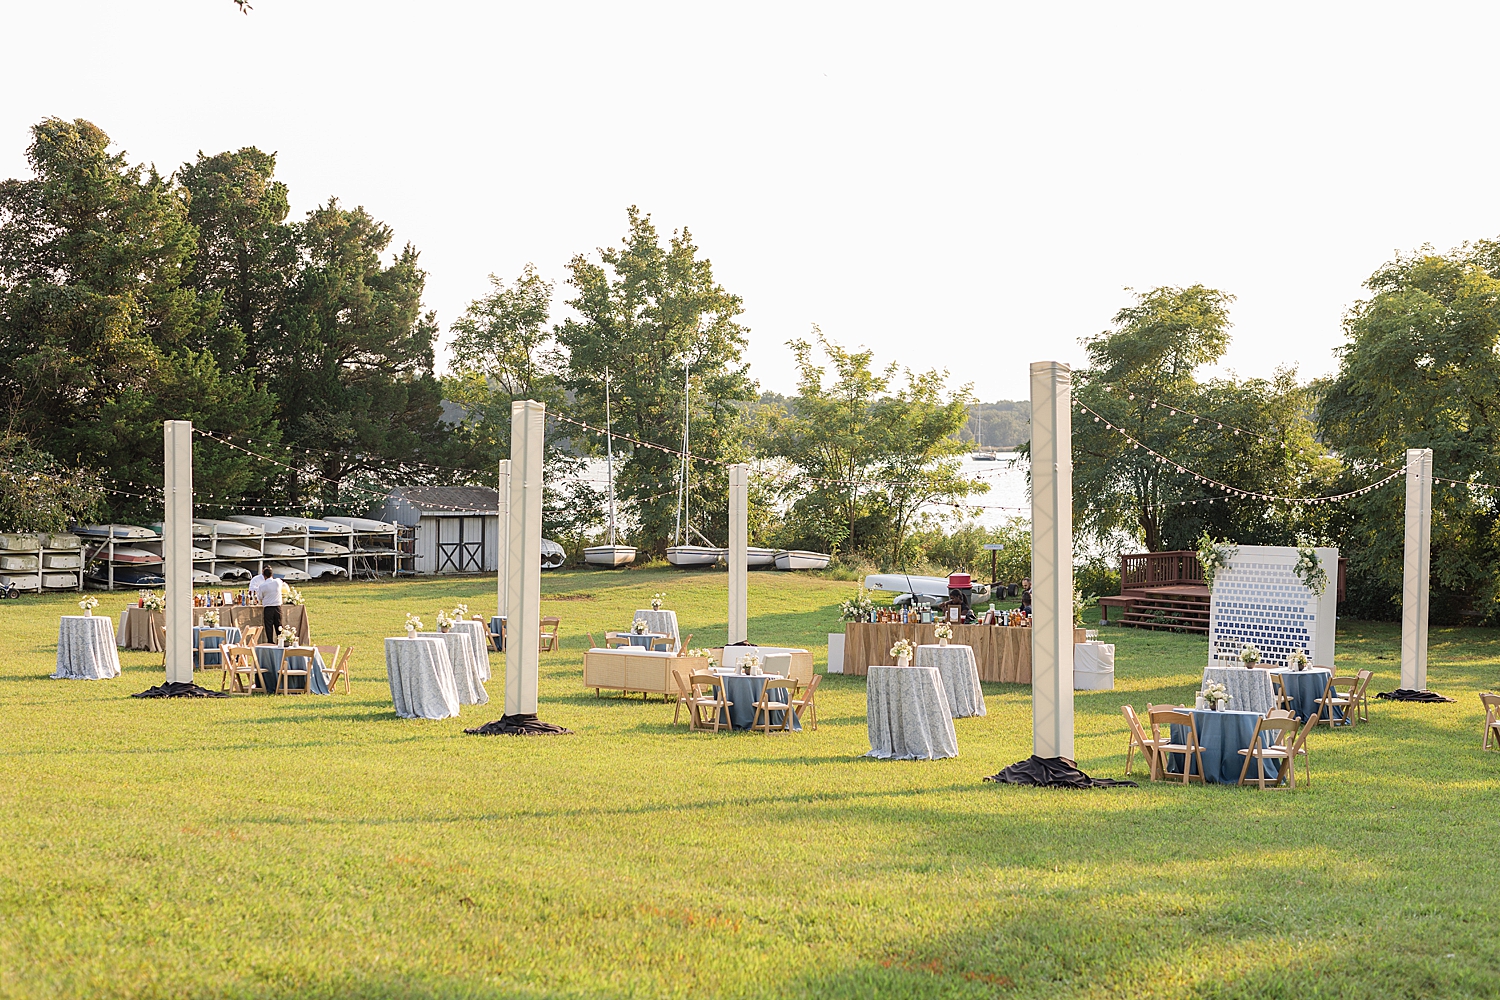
x: 321, y: 847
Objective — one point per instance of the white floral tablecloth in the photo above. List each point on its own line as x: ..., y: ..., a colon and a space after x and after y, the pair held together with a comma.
x: 465, y: 670
x: 960, y: 673
x: 479, y: 636
x: 421, y: 678
x: 86, y: 649
x: 1249, y: 688
x: 907, y: 714
x: 662, y: 623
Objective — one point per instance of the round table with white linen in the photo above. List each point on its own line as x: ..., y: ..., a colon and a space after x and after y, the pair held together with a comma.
x: 421, y: 678
x: 461, y: 658
x: 664, y: 622
x: 1249, y: 687
x: 907, y: 714
x: 479, y: 638
x: 960, y: 673
x: 86, y: 649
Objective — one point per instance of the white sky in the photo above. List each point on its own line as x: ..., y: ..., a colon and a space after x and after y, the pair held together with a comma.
x: 968, y: 186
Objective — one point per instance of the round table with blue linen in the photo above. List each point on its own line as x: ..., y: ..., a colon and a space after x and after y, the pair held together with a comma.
x: 497, y: 632
x: 270, y: 659
x: 1304, y: 688
x: 1222, y: 735
x: 646, y: 639
x: 212, y: 642
x: 744, y: 691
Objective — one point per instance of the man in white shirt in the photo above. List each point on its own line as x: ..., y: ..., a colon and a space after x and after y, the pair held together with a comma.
x: 267, y: 590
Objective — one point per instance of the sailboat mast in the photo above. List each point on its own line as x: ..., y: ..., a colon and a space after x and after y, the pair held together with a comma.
x: 609, y: 451
x: 682, y: 508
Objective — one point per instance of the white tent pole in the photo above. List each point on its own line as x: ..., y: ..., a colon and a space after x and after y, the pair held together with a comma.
x: 177, y: 549
x: 1416, y: 570
x: 739, y: 530
x: 502, y: 528
x: 1052, y: 559
x: 524, y: 569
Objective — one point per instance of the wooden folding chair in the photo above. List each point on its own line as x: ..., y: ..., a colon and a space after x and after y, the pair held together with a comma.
x: 1336, y: 706
x: 549, y: 639
x: 338, y: 666
x: 808, y: 703
x: 161, y: 640
x: 616, y: 640
x: 251, y: 635
x: 1138, y: 739
x: 708, y: 693
x: 202, y: 651
x: 287, y: 670
x: 243, y: 663
x: 1189, y: 748
x: 768, y: 703
x: 1491, y: 703
x: 684, y: 697
x: 1278, y: 691
x: 1299, y: 746
x: 1283, y: 732
x: 1362, y: 694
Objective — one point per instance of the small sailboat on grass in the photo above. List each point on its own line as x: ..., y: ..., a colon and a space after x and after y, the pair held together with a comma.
x: 609, y: 554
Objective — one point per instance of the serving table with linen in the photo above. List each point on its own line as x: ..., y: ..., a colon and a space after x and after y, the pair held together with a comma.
x: 271, y: 658
x: 461, y: 661
x: 664, y: 623
x: 1002, y: 652
x: 293, y: 616
x: 1249, y: 688
x: 960, y: 674
x: 86, y: 649
x: 1093, y: 666
x: 744, y: 691
x: 138, y: 629
x: 479, y: 641
x: 421, y: 678
x: 1303, y: 689
x: 215, y: 660
x: 907, y: 714
x: 1222, y: 735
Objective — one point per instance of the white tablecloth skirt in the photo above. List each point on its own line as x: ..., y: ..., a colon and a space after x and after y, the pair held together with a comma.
x: 1249, y: 688
x: 960, y: 674
x: 86, y: 649
x: 421, y: 678
x: 465, y: 670
x: 662, y: 623
x: 1093, y: 666
x: 908, y: 715
x: 479, y: 637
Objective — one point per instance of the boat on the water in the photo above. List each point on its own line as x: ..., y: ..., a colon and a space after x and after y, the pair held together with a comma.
x: 984, y: 456
x: 235, y: 550
x: 107, y: 531
x: 609, y: 554
x: 284, y: 550
x: 802, y: 559
x: 756, y: 555
x: 692, y: 556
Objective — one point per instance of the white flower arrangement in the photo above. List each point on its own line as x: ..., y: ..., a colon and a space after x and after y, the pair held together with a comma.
x: 211, y: 618
x: 1309, y: 570
x: 460, y: 612
x: 154, y: 602
x: 413, y: 623
x: 444, y: 622
x: 705, y: 654
x: 857, y: 608
x: 656, y: 600
x: 750, y: 664
x: 943, y: 630
x: 1214, y: 692
x: 903, y: 647
x: 291, y: 595
x: 1297, y: 660
x: 1214, y: 556
x: 638, y: 627
x: 287, y: 636
x: 89, y: 603
x: 1250, y: 654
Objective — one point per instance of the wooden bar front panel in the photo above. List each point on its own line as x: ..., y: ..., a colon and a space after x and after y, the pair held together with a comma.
x: 1003, y: 653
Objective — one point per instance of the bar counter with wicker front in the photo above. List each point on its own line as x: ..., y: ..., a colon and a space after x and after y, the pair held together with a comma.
x: 1003, y: 652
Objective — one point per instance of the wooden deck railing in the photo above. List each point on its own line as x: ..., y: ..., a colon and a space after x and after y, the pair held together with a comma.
x: 1159, y: 569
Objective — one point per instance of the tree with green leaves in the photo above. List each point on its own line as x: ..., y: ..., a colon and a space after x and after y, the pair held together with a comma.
x: 1255, y: 434
x: 101, y: 336
x: 654, y: 317
x: 1420, y: 368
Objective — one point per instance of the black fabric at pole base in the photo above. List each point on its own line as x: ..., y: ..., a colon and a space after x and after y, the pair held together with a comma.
x: 1407, y: 694
x: 519, y: 725
x: 1053, y: 772
x: 180, y: 689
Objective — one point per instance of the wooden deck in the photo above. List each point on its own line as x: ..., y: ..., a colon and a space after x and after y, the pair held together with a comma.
x: 1181, y: 607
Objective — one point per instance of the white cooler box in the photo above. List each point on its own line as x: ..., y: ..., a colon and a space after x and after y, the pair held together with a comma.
x: 1093, y: 666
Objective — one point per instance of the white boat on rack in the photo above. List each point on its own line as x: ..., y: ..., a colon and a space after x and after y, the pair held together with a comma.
x: 222, y: 528
x: 553, y: 555
x: 289, y: 573
x: 316, y: 569
x: 323, y: 547
x: 233, y: 572
x: 131, y: 555
x: 270, y: 525
x: 202, y: 555
x: 692, y: 556
x: 323, y: 525
x: 235, y: 550
x: 204, y: 578
x: 802, y: 559
x: 107, y: 531
x: 365, y: 524
x: 283, y: 550
x: 756, y: 555
x: 609, y: 554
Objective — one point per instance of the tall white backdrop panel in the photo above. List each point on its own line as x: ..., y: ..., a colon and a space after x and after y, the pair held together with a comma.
x: 1258, y: 599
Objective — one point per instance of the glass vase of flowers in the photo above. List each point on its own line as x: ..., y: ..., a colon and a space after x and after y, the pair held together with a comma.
x: 287, y: 636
